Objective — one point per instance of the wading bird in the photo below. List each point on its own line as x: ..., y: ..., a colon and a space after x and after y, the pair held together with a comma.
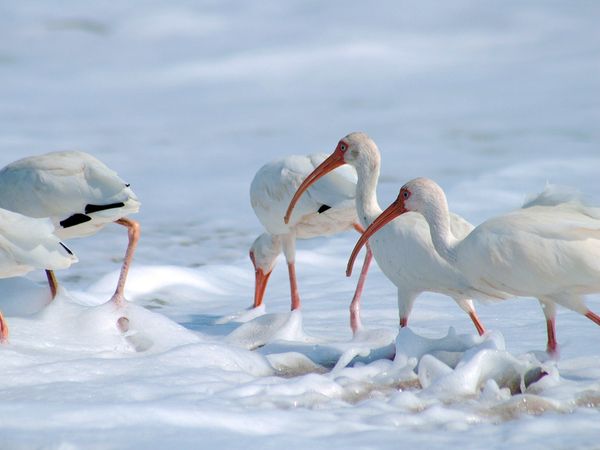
x: 403, y: 250
x: 328, y: 208
x: 78, y: 193
x: 549, y: 249
x: 28, y: 244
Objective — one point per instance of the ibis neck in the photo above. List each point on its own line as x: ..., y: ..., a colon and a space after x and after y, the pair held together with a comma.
x: 438, y: 218
x: 367, y: 206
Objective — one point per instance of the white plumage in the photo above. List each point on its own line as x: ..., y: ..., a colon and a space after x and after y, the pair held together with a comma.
x: 276, y: 182
x: 549, y: 249
x: 328, y: 208
x: 60, y: 184
x: 28, y: 244
x: 79, y: 193
x: 403, y: 250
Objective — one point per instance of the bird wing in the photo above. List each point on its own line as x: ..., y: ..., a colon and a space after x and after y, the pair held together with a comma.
x: 559, y: 212
x: 568, y: 221
x: 460, y: 227
x: 59, y: 184
x: 275, y: 184
x: 27, y: 244
x: 337, y: 189
x: 272, y: 189
x: 536, y: 250
x: 554, y: 195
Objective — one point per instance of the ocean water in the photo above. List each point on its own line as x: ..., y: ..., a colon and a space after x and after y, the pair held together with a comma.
x: 186, y: 100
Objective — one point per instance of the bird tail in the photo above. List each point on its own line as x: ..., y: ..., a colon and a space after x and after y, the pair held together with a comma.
x: 554, y: 195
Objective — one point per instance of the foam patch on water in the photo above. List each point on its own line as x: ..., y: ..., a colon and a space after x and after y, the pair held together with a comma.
x: 186, y: 100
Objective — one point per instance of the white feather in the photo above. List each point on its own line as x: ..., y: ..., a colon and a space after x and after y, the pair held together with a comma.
x: 274, y: 186
x: 27, y: 244
x: 60, y: 184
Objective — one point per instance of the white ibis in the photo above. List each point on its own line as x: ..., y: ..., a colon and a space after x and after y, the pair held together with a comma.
x: 27, y: 244
x: 78, y: 193
x: 548, y: 250
x: 403, y: 250
x: 327, y: 209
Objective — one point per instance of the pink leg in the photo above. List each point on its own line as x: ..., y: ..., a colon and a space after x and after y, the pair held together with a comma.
x: 133, y: 230
x: 593, y: 317
x: 552, y: 347
x: 403, y: 322
x: 3, y: 330
x: 355, y: 322
x: 549, y: 308
x: 477, y: 323
x: 52, y: 283
x: 294, y: 286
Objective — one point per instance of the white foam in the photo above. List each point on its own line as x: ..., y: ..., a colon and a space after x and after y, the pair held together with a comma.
x: 186, y: 101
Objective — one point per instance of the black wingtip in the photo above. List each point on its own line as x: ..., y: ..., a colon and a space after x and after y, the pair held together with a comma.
x: 323, y: 208
x: 66, y: 248
x: 89, y: 208
x: 75, y: 219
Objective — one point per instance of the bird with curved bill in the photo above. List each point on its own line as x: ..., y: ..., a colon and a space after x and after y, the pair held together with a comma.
x: 327, y: 209
x: 403, y: 250
x: 79, y: 193
x: 549, y: 249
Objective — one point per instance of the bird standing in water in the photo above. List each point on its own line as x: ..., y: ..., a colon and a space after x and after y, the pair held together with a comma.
x: 79, y: 193
x: 328, y: 208
x: 549, y: 249
x: 28, y: 244
x: 403, y: 250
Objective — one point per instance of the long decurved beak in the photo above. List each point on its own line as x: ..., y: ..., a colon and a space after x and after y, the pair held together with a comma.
x: 260, y: 286
x: 391, y: 212
x: 335, y: 160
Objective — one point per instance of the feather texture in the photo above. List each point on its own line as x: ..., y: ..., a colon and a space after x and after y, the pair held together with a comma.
x: 60, y: 185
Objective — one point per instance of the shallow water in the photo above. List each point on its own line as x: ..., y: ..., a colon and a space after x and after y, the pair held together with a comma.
x: 186, y: 101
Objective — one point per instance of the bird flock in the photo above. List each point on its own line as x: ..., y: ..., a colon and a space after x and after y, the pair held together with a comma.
x: 548, y: 249
x: 60, y: 195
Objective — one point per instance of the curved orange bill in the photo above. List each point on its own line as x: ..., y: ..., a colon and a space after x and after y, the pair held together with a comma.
x: 260, y: 286
x: 335, y: 160
x: 391, y: 212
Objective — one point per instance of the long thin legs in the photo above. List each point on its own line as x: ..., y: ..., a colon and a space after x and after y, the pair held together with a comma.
x: 52, y: 282
x: 406, y: 300
x: 133, y: 231
x: 355, y: 322
x: 593, y: 317
x: 549, y: 308
x: 467, y: 306
x: 293, y: 286
x: 552, y: 346
x: 477, y: 322
x: 288, y: 242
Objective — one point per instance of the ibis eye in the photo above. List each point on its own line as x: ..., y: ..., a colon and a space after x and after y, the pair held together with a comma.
x: 343, y: 147
x: 405, y: 194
